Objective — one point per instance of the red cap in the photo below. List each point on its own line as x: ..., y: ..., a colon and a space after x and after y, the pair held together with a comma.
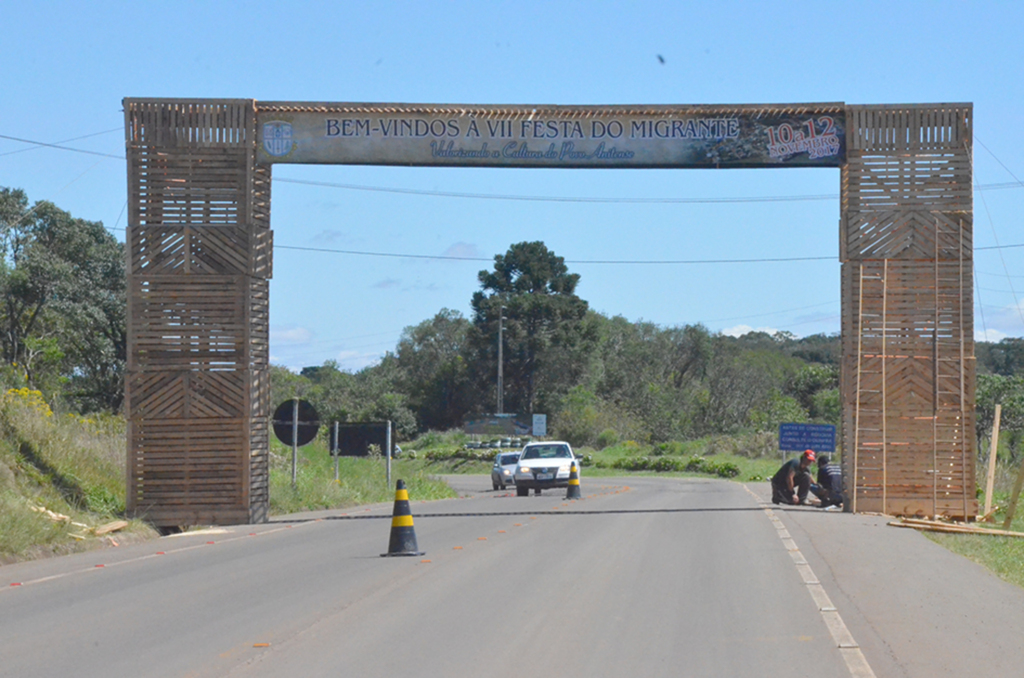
x: 809, y: 455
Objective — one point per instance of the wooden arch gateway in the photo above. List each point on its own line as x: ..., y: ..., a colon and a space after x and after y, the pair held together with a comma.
x: 200, y: 253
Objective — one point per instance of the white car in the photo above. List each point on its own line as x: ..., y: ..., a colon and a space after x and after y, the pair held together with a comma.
x: 543, y: 466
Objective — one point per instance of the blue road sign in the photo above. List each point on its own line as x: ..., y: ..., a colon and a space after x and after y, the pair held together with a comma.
x: 799, y: 437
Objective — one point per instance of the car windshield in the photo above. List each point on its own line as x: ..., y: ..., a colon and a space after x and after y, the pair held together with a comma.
x: 546, y: 452
x: 509, y: 459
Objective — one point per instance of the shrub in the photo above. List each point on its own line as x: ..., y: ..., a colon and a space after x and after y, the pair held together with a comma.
x: 695, y: 465
x: 632, y: 463
x: 437, y: 438
x: 724, y: 469
x: 665, y: 464
x: 607, y: 438
x: 460, y: 453
x: 671, y: 447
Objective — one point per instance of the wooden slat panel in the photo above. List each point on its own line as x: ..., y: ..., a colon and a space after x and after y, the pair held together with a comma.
x: 886, y: 183
x: 195, y: 250
x: 907, y: 127
x: 190, y: 463
x: 906, y: 235
x: 214, y: 322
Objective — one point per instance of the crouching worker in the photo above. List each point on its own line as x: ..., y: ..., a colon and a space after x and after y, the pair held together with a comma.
x: 792, y: 482
x: 829, y: 488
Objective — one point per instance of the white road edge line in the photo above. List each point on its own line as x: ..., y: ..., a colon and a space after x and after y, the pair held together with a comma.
x: 855, y: 660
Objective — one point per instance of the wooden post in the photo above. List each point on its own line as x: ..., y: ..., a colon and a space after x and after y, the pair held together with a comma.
x: 1012, y: 508
x: 885, y: 412
x: 387, y: 453
x: 992, y: 461
x: 860, y: 355
x: 336, y: 451
x: 295, y: 440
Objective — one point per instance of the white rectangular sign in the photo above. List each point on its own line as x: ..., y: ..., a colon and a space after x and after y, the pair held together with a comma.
x: 540, y: 425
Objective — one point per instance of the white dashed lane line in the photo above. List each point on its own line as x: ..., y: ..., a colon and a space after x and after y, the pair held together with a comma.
x: 855, y: 660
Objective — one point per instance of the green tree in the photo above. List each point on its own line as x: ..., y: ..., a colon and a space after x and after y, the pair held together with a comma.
x: 579, y: 420
x: 1005, y: 358
x: 547, y: 343
x: 285, y: 385
x: 434, y: 372
x: 62, y: 318
x: 774, y: 410
x: 371, y: 394
x: 993, y: 389
x: 811, y: 379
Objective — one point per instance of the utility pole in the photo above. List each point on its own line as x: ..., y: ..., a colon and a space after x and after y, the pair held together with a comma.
x: 501, y: 362
x: 295, y: 439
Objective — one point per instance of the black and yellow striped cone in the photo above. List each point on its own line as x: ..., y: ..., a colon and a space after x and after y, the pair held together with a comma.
x: 573, y: 490
x: 403, y: 536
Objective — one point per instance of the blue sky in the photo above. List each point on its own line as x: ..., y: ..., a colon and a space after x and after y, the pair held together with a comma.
x: 68, y: 65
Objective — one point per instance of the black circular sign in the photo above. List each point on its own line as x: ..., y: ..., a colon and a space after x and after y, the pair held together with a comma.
x: 309, y: 422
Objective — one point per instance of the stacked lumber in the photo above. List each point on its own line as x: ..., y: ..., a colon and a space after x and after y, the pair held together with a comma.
x: 952, y: 527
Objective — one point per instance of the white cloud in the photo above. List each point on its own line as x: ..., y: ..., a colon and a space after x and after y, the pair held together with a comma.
x: 291, y: 335
x: 356, y: 360
x: 740, y: 330
x: 994, y: 336
x: 465, y: 250
x: 1007, y: 320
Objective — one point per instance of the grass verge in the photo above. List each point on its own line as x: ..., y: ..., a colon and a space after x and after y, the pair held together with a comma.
x: 1002, y: 555
x: 61, y: 476
x: 361, y: 480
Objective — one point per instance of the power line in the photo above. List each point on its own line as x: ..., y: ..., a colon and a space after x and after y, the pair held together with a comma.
x: 62, y: 148
x: 442, y: 257
x: 997, y: 275
x: 63, y: 141
x: 1017, y: 182
x: 998, y: 247
x: 636, y: 262
x: 571, y: 199
x: 568, y: 261
x: 995, y: 236
x: 542, y: 198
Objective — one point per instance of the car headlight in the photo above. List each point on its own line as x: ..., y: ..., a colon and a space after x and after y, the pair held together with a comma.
x: 523, y: 469
x: 507, y: 472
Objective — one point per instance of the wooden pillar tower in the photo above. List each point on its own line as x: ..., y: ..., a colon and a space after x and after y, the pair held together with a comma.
x: 907, y: 327
x: 199, y: 249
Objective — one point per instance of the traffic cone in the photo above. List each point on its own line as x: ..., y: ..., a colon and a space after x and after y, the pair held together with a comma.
x: 403, y: 536
x: 573, y: 490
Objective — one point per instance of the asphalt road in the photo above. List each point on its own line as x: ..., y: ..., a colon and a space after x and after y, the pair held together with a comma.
x: 643, y: 577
